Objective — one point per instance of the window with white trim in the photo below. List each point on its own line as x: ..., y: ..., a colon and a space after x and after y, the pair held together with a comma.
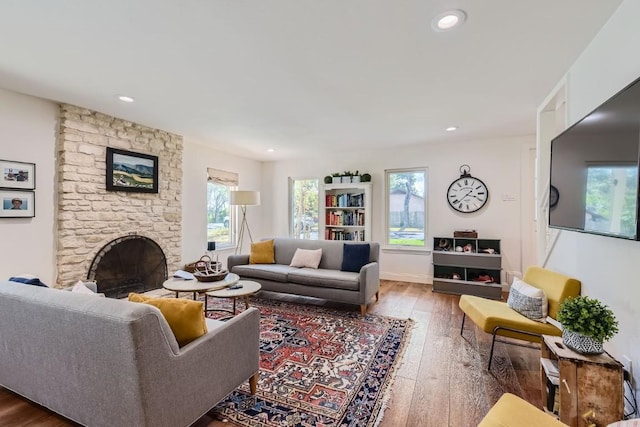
x: 406, y: 207
x: 220, y: 221
x: 303, y: 208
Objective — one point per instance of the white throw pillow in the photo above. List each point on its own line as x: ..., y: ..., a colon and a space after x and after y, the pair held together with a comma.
x: 528, y: 301
x: 81, y: 288
x: 306, y: 258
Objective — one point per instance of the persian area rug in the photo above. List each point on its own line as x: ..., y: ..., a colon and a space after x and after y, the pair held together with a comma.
x: 319, y: 367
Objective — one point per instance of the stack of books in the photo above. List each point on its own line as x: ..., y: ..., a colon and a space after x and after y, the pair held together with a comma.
x: 550, y: 367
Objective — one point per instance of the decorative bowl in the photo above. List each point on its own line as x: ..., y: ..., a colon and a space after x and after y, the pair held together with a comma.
x: 210, y: 276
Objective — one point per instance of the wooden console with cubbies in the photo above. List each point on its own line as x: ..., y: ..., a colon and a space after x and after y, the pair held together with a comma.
x: 463, y: 265
x: 589, y: 387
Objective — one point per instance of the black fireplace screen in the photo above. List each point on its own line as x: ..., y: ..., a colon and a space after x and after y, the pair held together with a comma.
x: 128, y: 264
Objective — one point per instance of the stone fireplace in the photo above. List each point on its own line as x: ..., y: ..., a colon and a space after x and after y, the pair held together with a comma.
x: 128, y: 264
x: 89, y: 218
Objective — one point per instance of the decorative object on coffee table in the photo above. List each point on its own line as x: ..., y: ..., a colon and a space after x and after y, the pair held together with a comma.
x: 586, y: 323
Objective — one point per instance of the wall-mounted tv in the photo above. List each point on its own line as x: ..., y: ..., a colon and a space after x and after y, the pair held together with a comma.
x: 594, y: 170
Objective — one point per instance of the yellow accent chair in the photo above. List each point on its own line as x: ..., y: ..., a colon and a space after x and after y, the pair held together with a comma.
x: 497, y: 318
x: 512, y: 411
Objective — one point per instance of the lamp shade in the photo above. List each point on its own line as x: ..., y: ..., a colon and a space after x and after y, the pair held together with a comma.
x: 245, y: 198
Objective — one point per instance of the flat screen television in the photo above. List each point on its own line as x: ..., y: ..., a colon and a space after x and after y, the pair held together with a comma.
x: 594, y: 170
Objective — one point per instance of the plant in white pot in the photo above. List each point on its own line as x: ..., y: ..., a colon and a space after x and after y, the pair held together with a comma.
x: 586, y: 324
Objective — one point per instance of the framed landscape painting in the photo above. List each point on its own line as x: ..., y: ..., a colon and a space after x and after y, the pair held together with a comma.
x: 17, y: 175
x: 129, y: 171
x: 17, y: 204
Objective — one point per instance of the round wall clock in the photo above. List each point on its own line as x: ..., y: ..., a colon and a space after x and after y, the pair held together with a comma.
x: 467, y: 194
x: 554, y: 196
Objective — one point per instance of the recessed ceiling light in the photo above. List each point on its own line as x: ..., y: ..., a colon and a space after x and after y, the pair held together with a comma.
x: 451, y: 128
x: 448, y: 20
x: 270, y: 150
x: 125, y: 98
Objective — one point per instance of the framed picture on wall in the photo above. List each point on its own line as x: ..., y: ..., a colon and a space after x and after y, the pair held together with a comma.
x: 17, y: 175
x: 129, y: 171
x: 17, y: 204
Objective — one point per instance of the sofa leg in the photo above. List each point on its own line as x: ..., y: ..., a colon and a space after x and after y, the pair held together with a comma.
x: 378, y: 296
x: 363, y: 309
x: 464, y: 315
x: 253, y: 383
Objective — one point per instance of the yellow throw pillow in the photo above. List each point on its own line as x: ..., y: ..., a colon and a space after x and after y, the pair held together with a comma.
x: 185, y: 317
x: 262, y: 253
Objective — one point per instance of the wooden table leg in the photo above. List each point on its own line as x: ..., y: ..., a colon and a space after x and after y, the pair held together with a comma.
x: 246, y: 302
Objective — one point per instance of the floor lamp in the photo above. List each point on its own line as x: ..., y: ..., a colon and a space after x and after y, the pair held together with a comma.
x: 244, y: 199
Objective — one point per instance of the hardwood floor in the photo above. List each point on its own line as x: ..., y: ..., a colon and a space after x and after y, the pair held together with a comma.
x: 443, y: 380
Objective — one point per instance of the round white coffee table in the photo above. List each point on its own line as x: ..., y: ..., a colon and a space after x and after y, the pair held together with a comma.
x: 247, y: 288
x: 180, y: 285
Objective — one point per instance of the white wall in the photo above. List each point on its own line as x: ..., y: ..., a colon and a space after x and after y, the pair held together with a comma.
x: 27, y: 134
x: 606, y: 266
x: 196, y: 159
x: 498, y: 163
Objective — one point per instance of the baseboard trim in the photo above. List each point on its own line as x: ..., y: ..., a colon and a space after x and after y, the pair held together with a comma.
x: 411, y: 278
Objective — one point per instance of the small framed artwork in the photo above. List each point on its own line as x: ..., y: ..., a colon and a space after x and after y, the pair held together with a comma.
x: 17, y: 175
x: 129, y: 171
x: 17, y: 204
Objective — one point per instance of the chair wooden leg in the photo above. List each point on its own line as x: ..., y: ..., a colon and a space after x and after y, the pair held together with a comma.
x: 378, y: 296
x: 363, y: 309
x: 253, y: 383
x: 464, y: 315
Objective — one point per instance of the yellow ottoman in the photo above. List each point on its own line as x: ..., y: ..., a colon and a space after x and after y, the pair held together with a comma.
x: 512, y: 411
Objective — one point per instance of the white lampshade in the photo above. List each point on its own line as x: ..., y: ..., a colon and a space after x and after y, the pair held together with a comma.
x: 245, y: 198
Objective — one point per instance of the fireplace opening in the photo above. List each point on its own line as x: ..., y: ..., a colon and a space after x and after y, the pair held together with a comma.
x: 128, y: 264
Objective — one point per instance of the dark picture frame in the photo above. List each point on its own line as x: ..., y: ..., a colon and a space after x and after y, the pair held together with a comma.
x: 18, y: 175
x: 133, y: 172
x: 17, y: 204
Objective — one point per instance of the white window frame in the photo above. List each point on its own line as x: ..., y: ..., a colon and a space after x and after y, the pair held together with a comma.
x: 291, y: 201
x: 389, y: 247
x: 230, y: 181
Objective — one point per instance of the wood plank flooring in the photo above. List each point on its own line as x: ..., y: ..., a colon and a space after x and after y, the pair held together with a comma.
x: 443, y: 380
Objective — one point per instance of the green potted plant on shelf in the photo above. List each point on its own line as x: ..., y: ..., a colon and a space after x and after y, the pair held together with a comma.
x: 586, y: 324
x: 328, y: 179
x: 365, y: 177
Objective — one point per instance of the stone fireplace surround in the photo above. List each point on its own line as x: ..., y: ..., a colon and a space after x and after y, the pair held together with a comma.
x: 88, y: 216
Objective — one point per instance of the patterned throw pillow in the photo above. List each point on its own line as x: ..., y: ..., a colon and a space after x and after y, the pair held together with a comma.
x: 528, y: 301
x: 306, y: 258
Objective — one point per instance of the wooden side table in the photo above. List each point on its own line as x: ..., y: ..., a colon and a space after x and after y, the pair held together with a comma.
x: 591, y: 387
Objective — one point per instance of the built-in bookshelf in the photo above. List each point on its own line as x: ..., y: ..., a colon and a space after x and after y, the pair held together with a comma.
x: 346, y: 211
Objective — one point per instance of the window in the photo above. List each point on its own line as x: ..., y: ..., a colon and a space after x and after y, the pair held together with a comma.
x: 406, y: 207
x: 304, y: 208
x: 220, y: 221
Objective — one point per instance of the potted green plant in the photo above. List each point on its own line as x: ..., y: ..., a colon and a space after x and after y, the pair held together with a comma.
x: 336, y: 178
x: 355, y: 177
x: 365, y: 177
x: 346, y: 176
x: 328, y: 179
x: 586, y: 324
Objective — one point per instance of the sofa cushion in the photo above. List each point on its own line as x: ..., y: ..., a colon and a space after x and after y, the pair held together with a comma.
x: 274, y: 272
x: 306, y: 258
x: 355, y: 256
x: 262, y: 253
x: 326, y: 278
x: 185, y: 317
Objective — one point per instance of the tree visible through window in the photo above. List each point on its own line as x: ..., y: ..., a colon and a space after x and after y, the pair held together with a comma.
x: 304, y: 208
x: 220, y: 221
x: 406, y: 207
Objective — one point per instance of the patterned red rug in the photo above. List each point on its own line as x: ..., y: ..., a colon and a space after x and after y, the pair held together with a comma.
x: 319, y: 367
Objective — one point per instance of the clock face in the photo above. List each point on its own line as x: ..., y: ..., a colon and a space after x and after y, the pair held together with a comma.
x: 467, y: 194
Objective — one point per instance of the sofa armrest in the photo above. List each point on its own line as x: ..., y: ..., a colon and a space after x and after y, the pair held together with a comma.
x: 370, y: 280
x: 234, y: 260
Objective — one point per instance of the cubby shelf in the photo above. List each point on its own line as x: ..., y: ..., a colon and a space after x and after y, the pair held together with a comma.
x: 467, y: 266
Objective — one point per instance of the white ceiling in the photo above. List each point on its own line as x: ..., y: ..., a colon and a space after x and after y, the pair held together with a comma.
x: 299, y: 76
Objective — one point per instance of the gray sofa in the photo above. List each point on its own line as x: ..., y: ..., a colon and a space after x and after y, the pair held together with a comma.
x: 106, y: 362
x: 326, y: 282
